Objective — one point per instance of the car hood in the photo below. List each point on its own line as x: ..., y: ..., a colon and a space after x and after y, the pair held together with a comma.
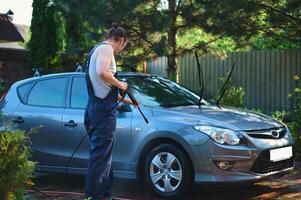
x: 227, y: 117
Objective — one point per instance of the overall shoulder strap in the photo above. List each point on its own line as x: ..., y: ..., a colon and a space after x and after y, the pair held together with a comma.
x: 87, y: 77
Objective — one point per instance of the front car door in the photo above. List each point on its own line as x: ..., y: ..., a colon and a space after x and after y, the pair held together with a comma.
x: 74, y: 131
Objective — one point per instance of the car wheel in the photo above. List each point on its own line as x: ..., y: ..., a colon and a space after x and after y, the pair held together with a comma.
x: 167, y: 171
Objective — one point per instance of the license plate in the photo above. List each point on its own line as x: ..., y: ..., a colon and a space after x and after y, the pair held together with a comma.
x: 281, y: 154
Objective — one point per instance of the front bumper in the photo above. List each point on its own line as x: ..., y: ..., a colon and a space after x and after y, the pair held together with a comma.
x: 251, y: 163
x: 238, y: 178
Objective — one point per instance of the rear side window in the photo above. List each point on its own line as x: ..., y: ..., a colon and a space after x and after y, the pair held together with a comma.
x: 23, y: 90
x: 50, y: 92
x: 79, y: 93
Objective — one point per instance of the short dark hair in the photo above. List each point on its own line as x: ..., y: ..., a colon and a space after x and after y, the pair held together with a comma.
x: 116, y: 32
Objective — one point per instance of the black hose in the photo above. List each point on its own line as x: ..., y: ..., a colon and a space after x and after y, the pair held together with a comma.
x: 43, y: 193
x: 134, y: 101
x: 89, y: 131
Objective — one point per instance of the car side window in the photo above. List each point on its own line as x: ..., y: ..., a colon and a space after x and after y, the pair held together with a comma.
x: 79, y: 93
x: 23, y: 89
x: 50, y: 92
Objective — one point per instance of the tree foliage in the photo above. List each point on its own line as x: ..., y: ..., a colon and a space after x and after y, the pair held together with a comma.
x: 256, y: 24
x: 279, y: 25
x: 43, y: 44
x: 174, y: 27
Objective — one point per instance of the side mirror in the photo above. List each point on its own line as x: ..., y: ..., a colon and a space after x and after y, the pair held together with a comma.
x: 124, y: 108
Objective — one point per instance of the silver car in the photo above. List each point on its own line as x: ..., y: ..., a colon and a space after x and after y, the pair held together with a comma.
x: 185, y: 141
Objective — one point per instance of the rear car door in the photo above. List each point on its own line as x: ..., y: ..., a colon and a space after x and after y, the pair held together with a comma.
x: 73, y: 125
x: 42, y: 109
x: 74, y: 130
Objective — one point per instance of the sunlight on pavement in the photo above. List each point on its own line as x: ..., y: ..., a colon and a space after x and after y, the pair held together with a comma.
x: 287, y: 187
x: 271, y: 195
x: 291, y: 196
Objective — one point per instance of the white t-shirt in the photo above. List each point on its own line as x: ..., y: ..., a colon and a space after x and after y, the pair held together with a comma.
x: 103, y: 56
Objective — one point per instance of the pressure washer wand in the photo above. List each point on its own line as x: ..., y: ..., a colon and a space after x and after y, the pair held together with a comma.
x: 136, y: 104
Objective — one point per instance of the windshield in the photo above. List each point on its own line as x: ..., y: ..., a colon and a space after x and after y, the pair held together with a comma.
x: 153, y: 91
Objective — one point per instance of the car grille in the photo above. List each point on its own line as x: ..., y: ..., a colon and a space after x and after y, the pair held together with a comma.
x: 275, y: 133
x: 263, y: 165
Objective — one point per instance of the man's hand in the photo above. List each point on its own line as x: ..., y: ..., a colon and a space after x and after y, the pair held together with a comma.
x: 123, y: 86
x: 129, y: 101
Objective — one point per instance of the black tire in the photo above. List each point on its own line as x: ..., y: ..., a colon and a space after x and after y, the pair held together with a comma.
x: 175, y: 187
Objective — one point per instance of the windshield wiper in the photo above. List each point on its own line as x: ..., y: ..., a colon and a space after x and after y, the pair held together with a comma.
x: 201, y: 79
x: 224, y: 88
x: 178, y: 105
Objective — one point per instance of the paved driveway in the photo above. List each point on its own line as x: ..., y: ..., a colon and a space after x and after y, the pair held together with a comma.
x: 287, y: 187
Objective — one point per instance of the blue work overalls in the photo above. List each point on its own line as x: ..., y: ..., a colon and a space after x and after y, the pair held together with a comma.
x: 99, y: 176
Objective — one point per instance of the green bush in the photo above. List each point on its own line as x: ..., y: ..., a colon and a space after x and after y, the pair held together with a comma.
x: 15, y: 168
x: 280, y: 115
x: 293, y: 118
x: 233, y: 96
x: 293, y: 126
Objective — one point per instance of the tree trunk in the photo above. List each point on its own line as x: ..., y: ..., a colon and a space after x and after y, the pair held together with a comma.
x: 144, y: 66
x: 172, y: 44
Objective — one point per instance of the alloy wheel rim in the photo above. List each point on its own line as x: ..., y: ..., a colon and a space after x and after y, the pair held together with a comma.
x: 166, y: 172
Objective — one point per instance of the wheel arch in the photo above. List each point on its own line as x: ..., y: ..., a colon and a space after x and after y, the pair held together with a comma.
x: 154, y: 143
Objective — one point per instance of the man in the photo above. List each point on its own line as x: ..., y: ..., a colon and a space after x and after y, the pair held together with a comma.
x: 103, y: 96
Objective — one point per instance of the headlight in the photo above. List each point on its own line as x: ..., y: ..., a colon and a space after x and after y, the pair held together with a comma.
x: 220, y: 135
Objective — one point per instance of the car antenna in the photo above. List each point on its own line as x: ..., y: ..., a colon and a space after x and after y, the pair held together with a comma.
x: 224, y: 88
x: 201, y: 78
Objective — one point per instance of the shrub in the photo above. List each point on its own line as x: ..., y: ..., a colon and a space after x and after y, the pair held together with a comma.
x: 15, y: 168
x: 280, y: 115
x: 233, y: 96
x: 294, y: 121
x: 293, y: 118
x: 293, y: 126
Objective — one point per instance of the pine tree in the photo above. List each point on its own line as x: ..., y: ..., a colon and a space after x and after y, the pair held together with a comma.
x: 158, y: 30
x: 43, y: 44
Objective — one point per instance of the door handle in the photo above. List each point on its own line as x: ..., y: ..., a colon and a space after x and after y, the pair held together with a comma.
x: 70, y: 123
x: 19, y: 120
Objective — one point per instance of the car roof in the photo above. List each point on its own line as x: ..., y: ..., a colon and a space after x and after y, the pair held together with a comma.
x: 120, y: 74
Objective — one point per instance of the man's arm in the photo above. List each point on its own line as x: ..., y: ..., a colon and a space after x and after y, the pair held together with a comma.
x: 103, y: 61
